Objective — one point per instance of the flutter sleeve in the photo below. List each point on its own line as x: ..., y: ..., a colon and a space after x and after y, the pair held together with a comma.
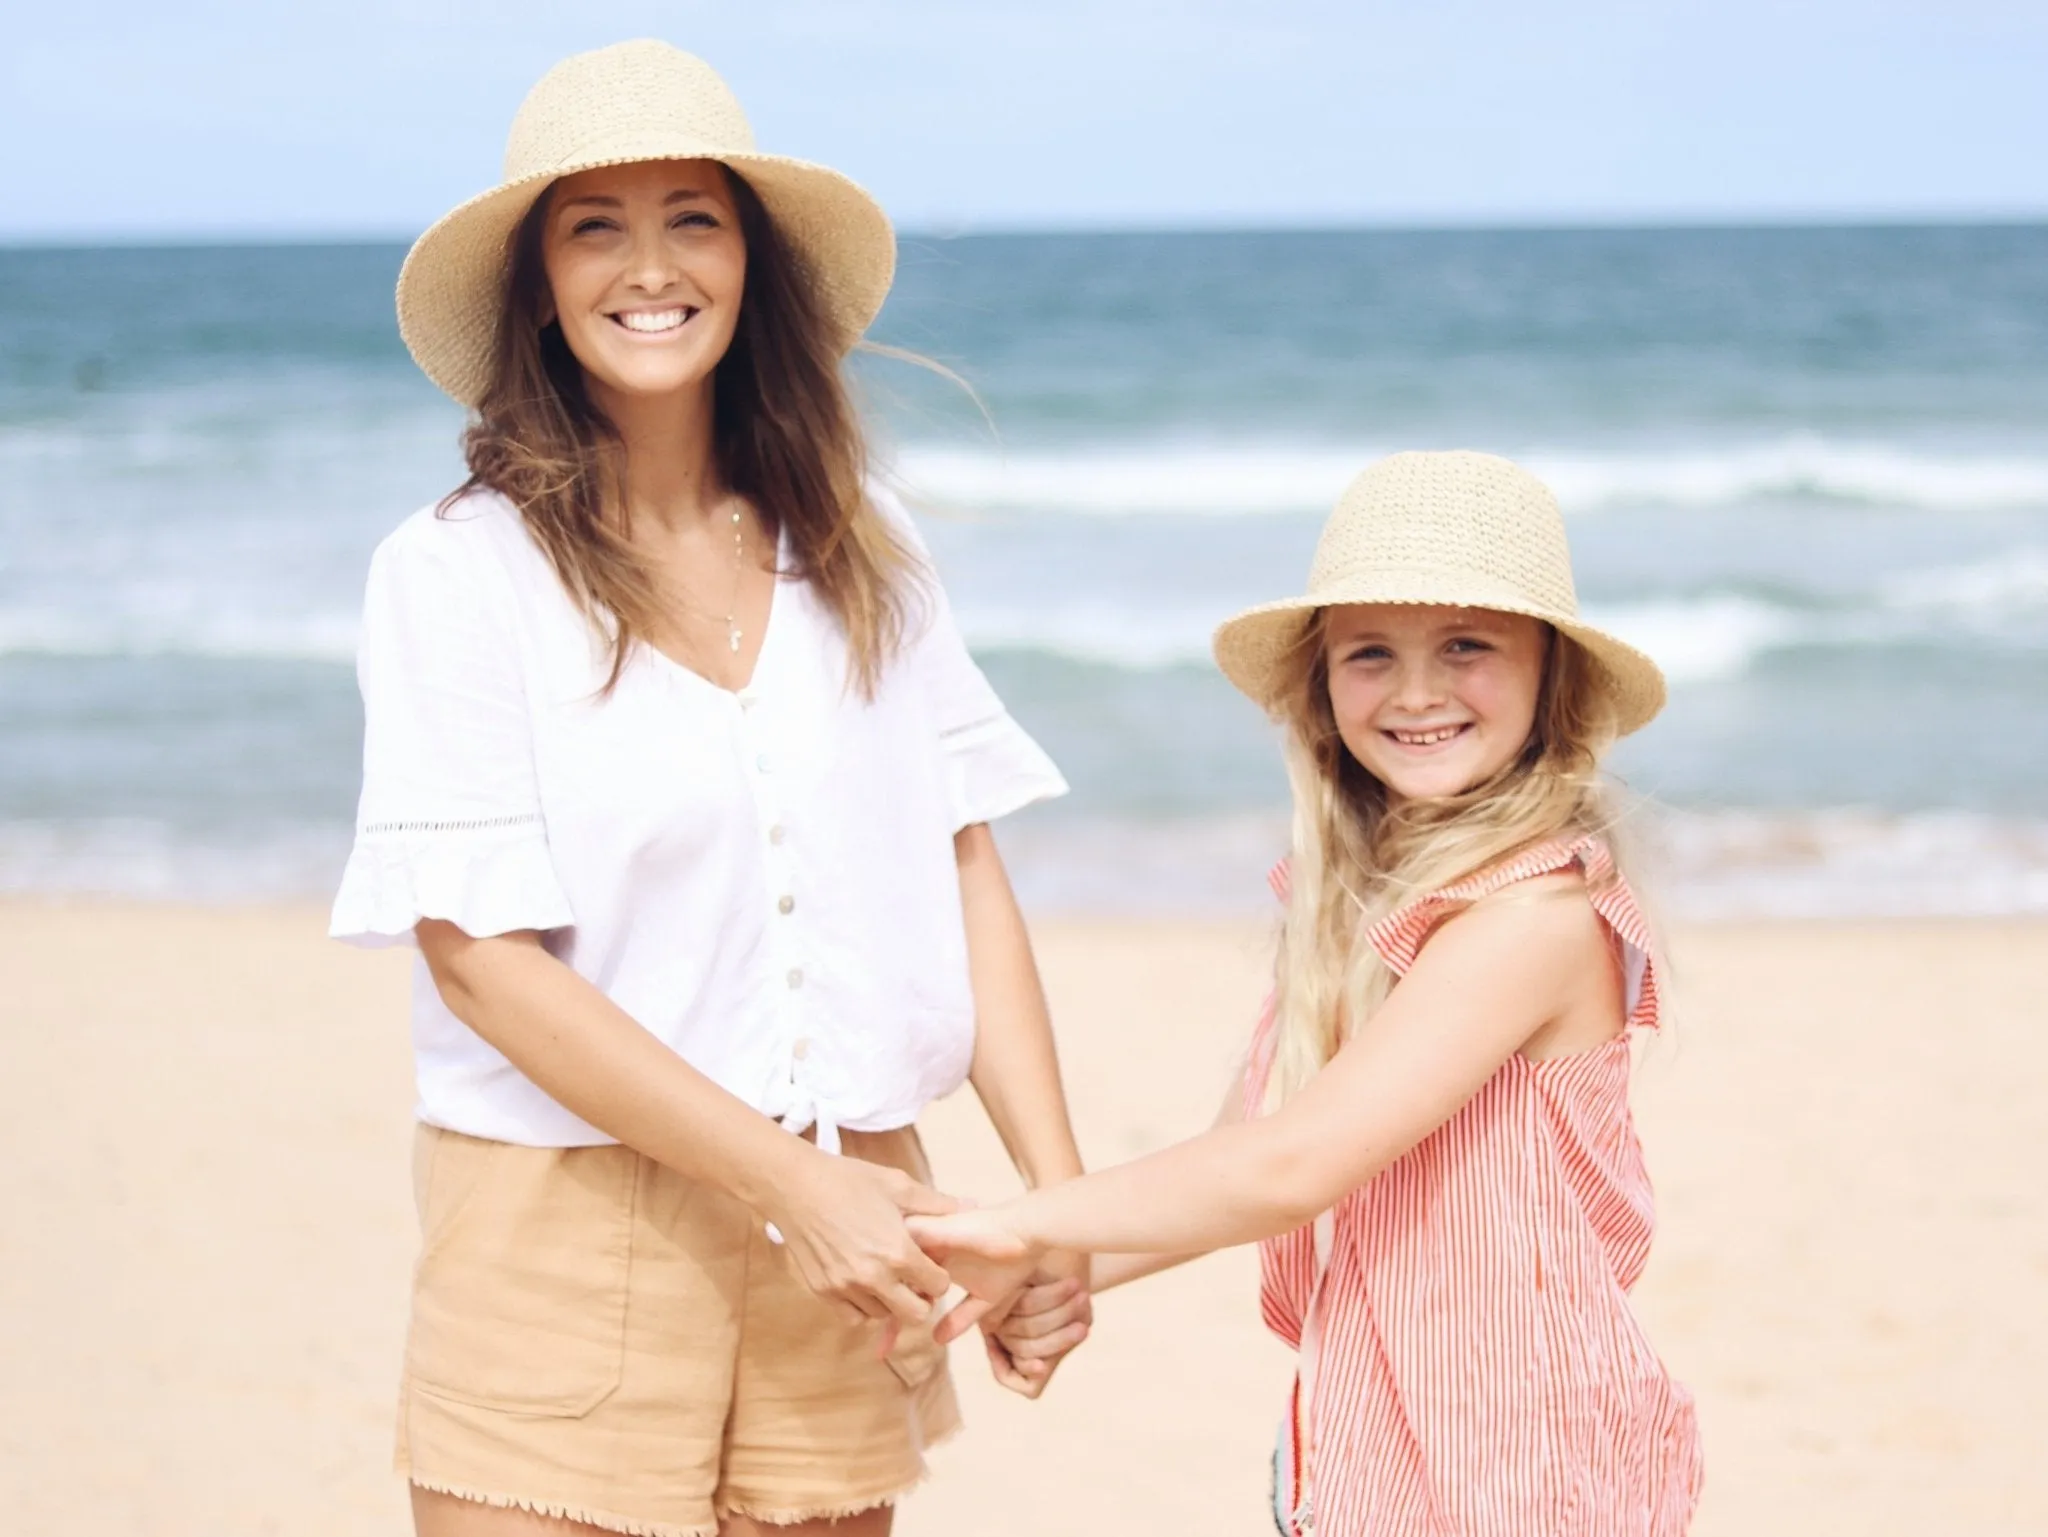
x: 990, y: 765
x: 450, y: 823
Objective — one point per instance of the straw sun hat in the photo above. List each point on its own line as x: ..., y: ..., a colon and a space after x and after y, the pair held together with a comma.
x: 630, y: 102
x: 1459, y: 530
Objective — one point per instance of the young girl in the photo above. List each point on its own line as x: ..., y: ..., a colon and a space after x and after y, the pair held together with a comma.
x: 678, y: 773
x: 1432, y: 1136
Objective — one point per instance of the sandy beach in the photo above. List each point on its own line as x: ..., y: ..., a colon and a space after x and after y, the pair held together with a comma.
x: 208, y: 1232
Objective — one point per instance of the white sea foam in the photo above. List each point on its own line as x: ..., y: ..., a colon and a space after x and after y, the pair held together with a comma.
x: 1695, y: 638
x: 1251, y: 479
x: 222, y: 634
x: 1839, y: 863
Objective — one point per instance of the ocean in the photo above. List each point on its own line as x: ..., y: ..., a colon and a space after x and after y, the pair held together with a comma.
x: 1807, y: 469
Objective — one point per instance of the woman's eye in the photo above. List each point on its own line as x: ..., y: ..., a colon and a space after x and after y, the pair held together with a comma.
x: 585, y: 226
x: 695, y: 220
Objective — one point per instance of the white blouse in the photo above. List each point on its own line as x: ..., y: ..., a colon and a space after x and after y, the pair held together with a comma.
x: 765, y: 880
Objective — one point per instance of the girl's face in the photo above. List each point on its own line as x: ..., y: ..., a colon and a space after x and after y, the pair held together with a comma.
x: 1433, y: 701
x: 645, y: 266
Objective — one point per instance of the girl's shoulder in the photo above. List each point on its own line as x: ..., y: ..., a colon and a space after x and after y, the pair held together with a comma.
x: 1567, y: 894
x: 1567, y: 881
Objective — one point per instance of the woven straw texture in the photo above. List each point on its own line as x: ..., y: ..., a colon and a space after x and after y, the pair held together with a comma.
x: 1461, y: 530
x: 633, y: 101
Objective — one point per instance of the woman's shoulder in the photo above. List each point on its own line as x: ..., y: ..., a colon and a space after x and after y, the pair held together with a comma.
x: 466, y: 524
x: 459, y: 561
x: 472, y: 542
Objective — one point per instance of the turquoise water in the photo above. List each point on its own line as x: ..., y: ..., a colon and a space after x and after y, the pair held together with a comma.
x: 1807, y: 469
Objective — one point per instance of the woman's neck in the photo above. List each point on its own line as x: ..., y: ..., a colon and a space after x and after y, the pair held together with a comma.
x: 672, y: 476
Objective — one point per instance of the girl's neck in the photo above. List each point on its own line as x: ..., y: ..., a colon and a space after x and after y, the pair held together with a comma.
x: 672, y: 476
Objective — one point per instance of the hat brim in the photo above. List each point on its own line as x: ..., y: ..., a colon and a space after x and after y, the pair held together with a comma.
x: 451, y: 290
x: 1252, y: 648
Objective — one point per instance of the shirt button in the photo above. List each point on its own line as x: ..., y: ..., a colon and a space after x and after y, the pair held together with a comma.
x: 796, y: 978
x: 761, y: 763
x: 786, y: 905
x: 776, y: 834
x: 800, y: 1050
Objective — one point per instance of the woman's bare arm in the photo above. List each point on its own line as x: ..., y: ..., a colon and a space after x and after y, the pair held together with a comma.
x: 842, y: 1219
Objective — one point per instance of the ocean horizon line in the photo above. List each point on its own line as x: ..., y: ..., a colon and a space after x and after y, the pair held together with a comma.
x: 1727, y: 224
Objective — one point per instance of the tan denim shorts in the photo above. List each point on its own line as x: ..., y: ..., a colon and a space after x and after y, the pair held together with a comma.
x: 597, y: 1338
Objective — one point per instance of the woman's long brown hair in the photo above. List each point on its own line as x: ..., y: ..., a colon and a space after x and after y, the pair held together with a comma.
x: 784, y: 430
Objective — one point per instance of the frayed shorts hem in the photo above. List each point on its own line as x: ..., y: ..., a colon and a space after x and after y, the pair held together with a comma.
x: 789, y: 1515
x: 606, y: 1520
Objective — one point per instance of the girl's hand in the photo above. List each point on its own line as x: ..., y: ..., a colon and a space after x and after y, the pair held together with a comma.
x: 842, y: 1221
x: 1048, y: 1320
x: 982, y: 1252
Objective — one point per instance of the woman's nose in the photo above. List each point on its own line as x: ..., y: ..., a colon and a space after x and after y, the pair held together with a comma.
x: 650, y: 265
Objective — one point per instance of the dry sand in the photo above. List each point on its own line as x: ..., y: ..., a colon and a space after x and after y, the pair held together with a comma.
x: 206, y: 1233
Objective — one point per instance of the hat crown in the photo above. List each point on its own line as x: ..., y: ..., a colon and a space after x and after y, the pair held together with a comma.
x: 1447, y: 520
x: 611, y: 103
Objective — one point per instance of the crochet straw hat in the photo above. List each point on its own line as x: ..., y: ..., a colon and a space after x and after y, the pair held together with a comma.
x: 1460, y: 530
x: 632, y: 101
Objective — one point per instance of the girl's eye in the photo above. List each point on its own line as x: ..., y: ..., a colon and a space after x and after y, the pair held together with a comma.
x: 1368, y: 654
x: 1468, y: 645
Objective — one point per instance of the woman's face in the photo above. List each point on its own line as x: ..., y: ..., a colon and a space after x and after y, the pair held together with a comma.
x: 1433, y: 701
x: 645, y: 266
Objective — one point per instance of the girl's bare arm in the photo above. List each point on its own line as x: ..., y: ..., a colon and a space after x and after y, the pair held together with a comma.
x: 1487, y: 982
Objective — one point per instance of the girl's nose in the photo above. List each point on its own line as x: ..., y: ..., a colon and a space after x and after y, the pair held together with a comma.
x: 1419, y: 686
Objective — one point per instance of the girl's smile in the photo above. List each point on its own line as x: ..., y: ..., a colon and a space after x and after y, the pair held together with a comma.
x: 1432, y: 701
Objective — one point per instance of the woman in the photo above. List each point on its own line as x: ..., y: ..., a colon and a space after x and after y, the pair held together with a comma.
x: 678, y: 773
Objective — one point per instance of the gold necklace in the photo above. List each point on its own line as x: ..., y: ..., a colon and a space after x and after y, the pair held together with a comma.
x: 739, y: 560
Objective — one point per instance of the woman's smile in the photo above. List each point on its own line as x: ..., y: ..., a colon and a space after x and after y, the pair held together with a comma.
x: 659, y: 323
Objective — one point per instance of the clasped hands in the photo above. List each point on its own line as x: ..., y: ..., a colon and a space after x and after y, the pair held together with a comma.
x: 885, y: 1247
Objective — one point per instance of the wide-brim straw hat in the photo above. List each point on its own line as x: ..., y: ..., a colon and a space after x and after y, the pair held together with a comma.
x: 630, y: 102
x: 1456, y: 530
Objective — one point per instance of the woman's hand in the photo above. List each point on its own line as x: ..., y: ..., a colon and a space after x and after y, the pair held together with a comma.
x: 842, y: 1221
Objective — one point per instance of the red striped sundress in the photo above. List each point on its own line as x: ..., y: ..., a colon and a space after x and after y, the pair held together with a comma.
x: 1472, y: 1368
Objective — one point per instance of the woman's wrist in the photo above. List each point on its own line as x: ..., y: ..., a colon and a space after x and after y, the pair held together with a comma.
x: 766, y: 1176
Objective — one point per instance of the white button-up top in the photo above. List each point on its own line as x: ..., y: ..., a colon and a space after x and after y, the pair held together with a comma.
x: 764, y: 880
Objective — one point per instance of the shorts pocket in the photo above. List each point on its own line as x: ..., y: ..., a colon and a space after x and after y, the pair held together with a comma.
x: 916, y: 1356
x: 519, y: 1299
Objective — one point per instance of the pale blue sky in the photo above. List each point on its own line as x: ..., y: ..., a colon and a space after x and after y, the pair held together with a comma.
x: 311, y: 117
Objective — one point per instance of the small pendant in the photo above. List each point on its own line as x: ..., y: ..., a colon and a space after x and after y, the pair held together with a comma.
x: 734, y: 636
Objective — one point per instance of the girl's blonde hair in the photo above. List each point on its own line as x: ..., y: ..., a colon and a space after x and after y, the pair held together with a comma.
x: 1357, y: 856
